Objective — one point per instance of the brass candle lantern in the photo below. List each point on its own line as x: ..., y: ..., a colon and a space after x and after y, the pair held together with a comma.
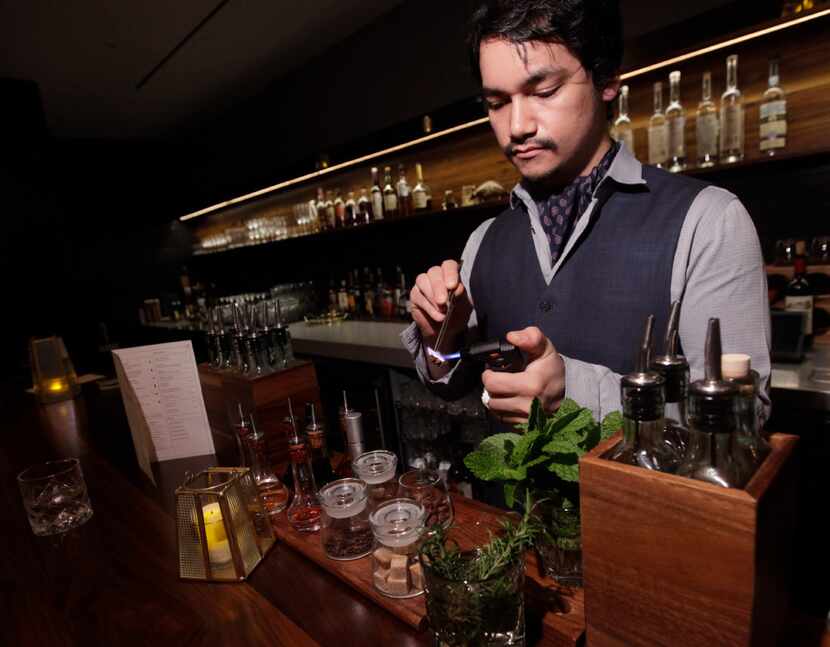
x: 223, y: 530
x: 53, y: 375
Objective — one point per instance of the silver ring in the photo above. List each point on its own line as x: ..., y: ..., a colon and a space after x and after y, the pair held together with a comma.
x: 485, y: 399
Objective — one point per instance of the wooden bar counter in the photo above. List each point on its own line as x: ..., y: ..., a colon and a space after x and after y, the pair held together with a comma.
x: 114, y: 580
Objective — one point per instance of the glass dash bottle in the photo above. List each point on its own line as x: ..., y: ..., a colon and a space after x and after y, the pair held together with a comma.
x: 712, y: 421
x: 675, y: 371
x: 271, y: 489
x: 643, y: 402
x: 731, y: 116
x: 676, y: 118
x: 315, y: 431
x: 773, y: 126
x: 749, y: 448
x: 304, y: 511
x: 707, y: 126
x: 623, y: 132
x: 658, y: 131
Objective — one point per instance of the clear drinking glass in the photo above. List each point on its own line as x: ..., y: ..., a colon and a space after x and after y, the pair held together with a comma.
x: 377, y: 469
x: 428, y: 488
x: 55, y: 496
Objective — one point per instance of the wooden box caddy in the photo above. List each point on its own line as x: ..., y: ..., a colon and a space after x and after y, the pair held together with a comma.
x: 266, y: 396
x: 673, y: 561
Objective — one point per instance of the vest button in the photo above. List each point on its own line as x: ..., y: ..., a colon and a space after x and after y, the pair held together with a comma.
x: 545, y: 306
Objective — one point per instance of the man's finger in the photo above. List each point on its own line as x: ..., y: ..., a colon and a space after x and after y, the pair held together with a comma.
x: 532, y: 341
x: 450, y: 271
x: 517, y: 406
x: 419, y: 300
x: 504, y: 384
x: 423, y: 323
x: 438, y: 285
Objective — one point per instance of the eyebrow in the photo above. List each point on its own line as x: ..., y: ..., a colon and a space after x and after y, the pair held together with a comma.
x: 534, y: 78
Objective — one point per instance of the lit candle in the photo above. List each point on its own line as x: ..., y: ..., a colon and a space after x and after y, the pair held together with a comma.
x: 219, y: 548
x: 56, y: 386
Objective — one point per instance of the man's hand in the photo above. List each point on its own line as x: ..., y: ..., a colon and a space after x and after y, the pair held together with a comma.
x: 428, y: 301
x: 511, y: 394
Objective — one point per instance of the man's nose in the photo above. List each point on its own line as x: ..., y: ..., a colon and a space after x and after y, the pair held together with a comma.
x: 522, y: 120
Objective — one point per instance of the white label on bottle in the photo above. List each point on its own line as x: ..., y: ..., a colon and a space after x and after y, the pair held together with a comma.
x: 390, y: 202
x: 419, y: 199
x: 773, y: 143
x: 677, y: 130
x: 658, y: 144
x: 774, y: 109
x: 377, y: 205
x: 732, y: 122
x: 707, y: 135
x: 773, y: 129
x: 801, y: 304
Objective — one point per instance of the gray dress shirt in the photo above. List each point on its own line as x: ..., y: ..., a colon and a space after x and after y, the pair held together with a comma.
x: 718, y: 271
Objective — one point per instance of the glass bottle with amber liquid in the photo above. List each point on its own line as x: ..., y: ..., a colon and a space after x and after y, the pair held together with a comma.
x: 331, y: 217
x: 305, y: 510
x: 376, y: 196
x: 421, y: 194
x: 404, y: 192
x: 339, y: 211
x: 350, y: 219
x: 390, y: 195
x: 315, y: 431
x: 364, y: 208
x: 320, y: 207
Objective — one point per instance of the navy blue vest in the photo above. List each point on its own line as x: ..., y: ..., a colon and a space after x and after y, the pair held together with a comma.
x: 617, y: 273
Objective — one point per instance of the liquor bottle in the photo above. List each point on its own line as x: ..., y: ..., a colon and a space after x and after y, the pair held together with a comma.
x: 712, y: 421
x: 643, y: 402
x: 404, y: 192
x: 251, y: 342
x: 675, y: 371
x: 401, y: 294
x: 798, y: 296
x: 210, y: 340
x: 343, y: 297
x: 260, y: 337
x: 623, y: 132
x: 356, y: 295
x: 658, y: 131
x: 320, y: 206
x: 304, y: 511
x: 773, y: 128
x: 380, y: 302
x: 390, y: 196
x: 731, y: 116
x: 350, y: 219
x: 330, y: 214
x: 364, y: 208
x: 227, y: 341
x: 421, y: 194
x: 368, y: 293
x: 377, y: 196
x: 281, y: 337
x: 339, y: 211
x: 271, y: 489
x: 676, y: 118
x: 707, y: 126
x: 332, y: 296
x: 749, y: 449
x: 238, y: 341
x: 316, y: 434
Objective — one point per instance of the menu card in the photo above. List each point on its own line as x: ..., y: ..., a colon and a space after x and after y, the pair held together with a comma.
x: 164, y: 403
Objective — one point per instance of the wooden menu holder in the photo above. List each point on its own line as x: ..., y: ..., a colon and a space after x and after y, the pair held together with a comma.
x: 673, y: 561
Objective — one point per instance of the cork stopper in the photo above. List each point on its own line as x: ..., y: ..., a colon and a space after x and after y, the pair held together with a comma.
x: 735, y: 365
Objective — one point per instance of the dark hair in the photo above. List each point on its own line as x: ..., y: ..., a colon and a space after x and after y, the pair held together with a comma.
x: 590, y: 29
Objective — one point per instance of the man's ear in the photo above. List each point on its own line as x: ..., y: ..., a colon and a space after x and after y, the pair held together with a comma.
x: 609, y: 92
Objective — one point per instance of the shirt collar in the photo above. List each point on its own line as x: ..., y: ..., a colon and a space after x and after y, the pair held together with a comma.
x: 624, y: 169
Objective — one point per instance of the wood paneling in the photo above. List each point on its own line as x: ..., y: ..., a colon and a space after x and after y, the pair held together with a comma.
x: 666, y: 556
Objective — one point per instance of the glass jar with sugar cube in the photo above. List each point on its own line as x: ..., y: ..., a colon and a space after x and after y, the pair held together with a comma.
x: 398, y: 526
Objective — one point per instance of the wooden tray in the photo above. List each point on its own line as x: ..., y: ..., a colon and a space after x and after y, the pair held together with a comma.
x: 555, y: 614
x: 669, y: 560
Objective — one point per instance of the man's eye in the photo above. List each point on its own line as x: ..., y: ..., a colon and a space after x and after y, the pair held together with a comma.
x: 544, y: 94
x: 495, y: 105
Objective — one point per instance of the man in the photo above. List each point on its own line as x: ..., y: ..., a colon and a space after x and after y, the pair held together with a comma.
x: 593, y: 241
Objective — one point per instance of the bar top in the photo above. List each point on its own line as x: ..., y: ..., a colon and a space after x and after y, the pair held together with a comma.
x: 374, y: 342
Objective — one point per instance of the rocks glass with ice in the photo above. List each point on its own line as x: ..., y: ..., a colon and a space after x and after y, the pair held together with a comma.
x: 55, y: 496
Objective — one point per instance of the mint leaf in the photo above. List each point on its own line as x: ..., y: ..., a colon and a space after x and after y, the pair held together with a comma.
x: 536, y: 419
x: 592, y: 438
x: 510, y: 493
x: 611, y: 424
x: 560, y: 445
x: 556, y: 423
x: 565, y: 472
x: 486, y: 463
x: 523, y: 447
x: 567, y: 407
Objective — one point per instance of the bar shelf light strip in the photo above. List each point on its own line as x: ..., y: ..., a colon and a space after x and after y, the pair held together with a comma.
x: 731, y: 42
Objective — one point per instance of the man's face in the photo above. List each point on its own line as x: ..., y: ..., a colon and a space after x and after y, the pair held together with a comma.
x: 547, y: 116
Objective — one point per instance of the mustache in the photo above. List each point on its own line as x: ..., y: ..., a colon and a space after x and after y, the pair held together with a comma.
x: 510, y: 149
